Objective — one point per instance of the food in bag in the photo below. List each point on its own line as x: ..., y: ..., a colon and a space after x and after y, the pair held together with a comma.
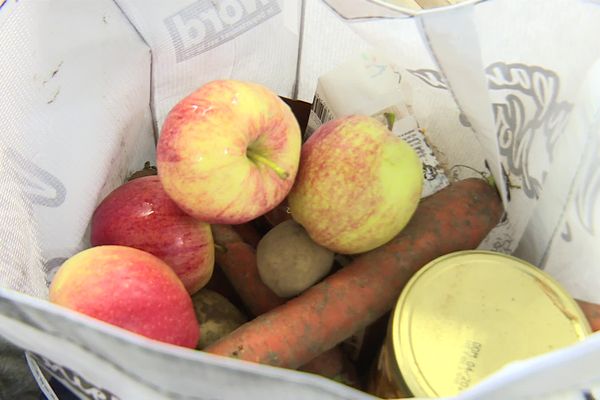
x: 289, y: 261
x: 235, y: 254
x: 324, y: 319
x: 140, y: 214
x: 357, y: 187
x: 229, y: 152
x: 129, y: 288
x: 216, y: 315
x: 456, y: 218
x: 237, y: 260
x: 464, y: 316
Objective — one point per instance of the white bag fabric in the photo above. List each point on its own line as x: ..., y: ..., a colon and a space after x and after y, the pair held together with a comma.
x: 86, y: 85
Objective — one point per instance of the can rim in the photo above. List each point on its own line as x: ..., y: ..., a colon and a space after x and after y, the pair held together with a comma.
x: 406, y: 367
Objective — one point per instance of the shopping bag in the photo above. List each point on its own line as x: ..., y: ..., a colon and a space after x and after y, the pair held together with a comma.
x: 509, y: 89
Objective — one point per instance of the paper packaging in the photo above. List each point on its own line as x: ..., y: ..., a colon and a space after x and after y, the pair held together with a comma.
x: 85, y: 86
x: 370, y: 84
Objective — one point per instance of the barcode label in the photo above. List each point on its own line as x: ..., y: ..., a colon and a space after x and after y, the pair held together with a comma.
x: 319, y: 114
x: 321, y: 110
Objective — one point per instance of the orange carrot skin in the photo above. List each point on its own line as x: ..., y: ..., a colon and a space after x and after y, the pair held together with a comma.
x: 456, y: 218
x: 238, y: 263
x: 592, y: 313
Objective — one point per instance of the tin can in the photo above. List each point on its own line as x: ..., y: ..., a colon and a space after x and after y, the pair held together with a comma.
x: 464, y: 316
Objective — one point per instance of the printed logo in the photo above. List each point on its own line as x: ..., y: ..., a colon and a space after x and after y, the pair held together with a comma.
x: 430, y: 77
x: 38, y: 185
x: 207, y: 24
x: 25, y: 185
x: 527, y: 114
x: 586, y: 198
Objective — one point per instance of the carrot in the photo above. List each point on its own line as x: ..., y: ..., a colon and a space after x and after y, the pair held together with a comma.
x: 592, y: 313
x: 456, y: 218
x: 237, y: 260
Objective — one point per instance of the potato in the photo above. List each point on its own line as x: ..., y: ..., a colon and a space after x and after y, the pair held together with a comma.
x: 216, y: 315
x: 289, y: 261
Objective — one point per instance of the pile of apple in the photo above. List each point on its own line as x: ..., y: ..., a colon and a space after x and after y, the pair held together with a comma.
x: 229, y: 153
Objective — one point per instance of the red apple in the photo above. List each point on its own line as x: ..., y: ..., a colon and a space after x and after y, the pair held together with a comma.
x: 140, y: 214
x: 229, y: 152
x: 128, y: 288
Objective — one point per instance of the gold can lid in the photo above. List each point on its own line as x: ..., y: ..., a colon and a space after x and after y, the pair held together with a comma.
x: 467, y: 314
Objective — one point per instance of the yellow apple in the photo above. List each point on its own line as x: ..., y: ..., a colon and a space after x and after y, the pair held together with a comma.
x: 358, y: 185
x: 229, y: 152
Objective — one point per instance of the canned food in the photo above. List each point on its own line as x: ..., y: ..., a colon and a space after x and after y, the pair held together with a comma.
x: 465, y: 315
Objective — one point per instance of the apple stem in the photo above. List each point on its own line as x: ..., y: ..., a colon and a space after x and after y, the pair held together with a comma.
x: 257, y: 158
x: 390, y: 118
